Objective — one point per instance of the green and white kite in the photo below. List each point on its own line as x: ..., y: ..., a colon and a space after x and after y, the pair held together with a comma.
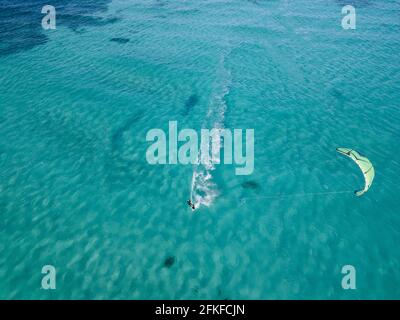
x: 364, y: 164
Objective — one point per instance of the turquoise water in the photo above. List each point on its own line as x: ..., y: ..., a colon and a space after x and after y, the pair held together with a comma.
x: 77, y: 193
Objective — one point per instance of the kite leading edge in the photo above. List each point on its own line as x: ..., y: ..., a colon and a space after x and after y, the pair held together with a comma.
x: 364, y: 164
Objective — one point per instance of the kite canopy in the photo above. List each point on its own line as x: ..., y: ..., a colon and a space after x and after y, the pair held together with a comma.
x: 364, y: 164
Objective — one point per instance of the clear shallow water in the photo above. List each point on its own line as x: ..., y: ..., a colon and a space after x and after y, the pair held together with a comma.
x: 77, y: 192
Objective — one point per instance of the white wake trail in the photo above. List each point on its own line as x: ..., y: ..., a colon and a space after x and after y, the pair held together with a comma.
x: 203, y: 188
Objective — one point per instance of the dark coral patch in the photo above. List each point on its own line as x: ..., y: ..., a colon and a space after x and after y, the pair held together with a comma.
x: 190, y: 103
x: 251, y: 185
x: 169, y: 262
x: 20, y: 21
x: 120, y: 40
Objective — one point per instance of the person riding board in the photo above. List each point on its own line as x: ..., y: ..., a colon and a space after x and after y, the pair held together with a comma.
x: 191, y: 204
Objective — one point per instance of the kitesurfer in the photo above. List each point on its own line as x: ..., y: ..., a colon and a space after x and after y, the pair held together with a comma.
x: 191, y: 204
